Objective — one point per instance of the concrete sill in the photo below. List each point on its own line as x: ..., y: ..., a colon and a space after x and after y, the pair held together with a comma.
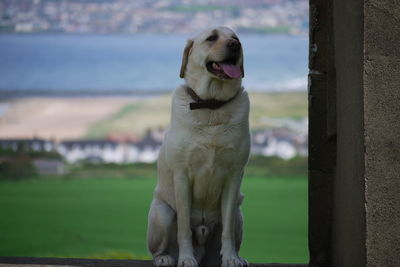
x: 38, y: 262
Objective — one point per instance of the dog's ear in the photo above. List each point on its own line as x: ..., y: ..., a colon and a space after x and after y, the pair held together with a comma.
x: 241, y: 66
x: 185, y: 57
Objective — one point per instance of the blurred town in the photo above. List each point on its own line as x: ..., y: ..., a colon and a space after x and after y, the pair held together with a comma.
x: 49, y: 156
x: 153, y: 16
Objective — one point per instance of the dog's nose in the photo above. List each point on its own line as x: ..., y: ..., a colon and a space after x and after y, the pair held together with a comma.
x: 233, y: 44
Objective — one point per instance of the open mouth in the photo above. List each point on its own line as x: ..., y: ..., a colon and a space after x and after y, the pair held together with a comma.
x: 224, y: 70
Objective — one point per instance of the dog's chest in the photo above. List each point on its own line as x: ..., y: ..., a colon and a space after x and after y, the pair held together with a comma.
x: 209, y: 162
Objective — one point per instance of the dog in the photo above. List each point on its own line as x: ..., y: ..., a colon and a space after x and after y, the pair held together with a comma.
x: 195, y: 217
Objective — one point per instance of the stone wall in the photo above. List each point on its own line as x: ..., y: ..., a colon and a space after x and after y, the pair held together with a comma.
x: 354, y: 97
x: 382, y: 131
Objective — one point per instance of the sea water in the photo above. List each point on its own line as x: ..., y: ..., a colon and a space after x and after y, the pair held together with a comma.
x: 142, y: 62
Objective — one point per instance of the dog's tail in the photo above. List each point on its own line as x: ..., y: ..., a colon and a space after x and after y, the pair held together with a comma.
x: 202, y: 233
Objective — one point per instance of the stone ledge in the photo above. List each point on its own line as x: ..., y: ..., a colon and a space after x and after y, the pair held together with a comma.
x: 40, y: 262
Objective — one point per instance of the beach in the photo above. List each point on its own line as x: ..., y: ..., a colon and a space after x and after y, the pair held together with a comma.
x: 56, y: 118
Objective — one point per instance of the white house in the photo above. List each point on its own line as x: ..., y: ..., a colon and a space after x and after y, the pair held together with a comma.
x: 95, y: 151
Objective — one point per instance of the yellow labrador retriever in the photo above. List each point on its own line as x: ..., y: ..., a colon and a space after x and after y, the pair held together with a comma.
x: 195, y: 217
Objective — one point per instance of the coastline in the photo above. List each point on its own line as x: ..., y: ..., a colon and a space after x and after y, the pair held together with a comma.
x: 97, y: 116
x: 10, y: 94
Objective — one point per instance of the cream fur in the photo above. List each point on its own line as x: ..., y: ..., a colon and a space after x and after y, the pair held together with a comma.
x: 195, y: 215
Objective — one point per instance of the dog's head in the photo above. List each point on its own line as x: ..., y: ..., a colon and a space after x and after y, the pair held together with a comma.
x: 216, y: 53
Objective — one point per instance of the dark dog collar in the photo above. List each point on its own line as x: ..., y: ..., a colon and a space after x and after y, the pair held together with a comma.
x: 205, y: 103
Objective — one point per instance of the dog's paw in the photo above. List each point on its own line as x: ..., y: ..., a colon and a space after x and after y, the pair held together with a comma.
x: 187, y: 261
x: 244, y: 262
x: 233, y: 261
x: 164, y: 261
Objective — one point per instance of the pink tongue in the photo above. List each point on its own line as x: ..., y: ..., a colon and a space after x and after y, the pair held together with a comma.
x: 231, y: 70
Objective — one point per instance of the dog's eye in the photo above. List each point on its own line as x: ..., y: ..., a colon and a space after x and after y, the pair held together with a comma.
x: 235, y: 38
x: 212, y: 38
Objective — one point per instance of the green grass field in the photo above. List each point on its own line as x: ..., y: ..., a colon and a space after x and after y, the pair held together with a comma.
x: 106, y: 218
x: 78, y: 215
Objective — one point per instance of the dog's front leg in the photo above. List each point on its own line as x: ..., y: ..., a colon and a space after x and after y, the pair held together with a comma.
x: 183, y: 197
x: 229, y: 206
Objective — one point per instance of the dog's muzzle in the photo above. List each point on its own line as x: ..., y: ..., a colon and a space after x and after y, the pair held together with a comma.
x: 227, y: 68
